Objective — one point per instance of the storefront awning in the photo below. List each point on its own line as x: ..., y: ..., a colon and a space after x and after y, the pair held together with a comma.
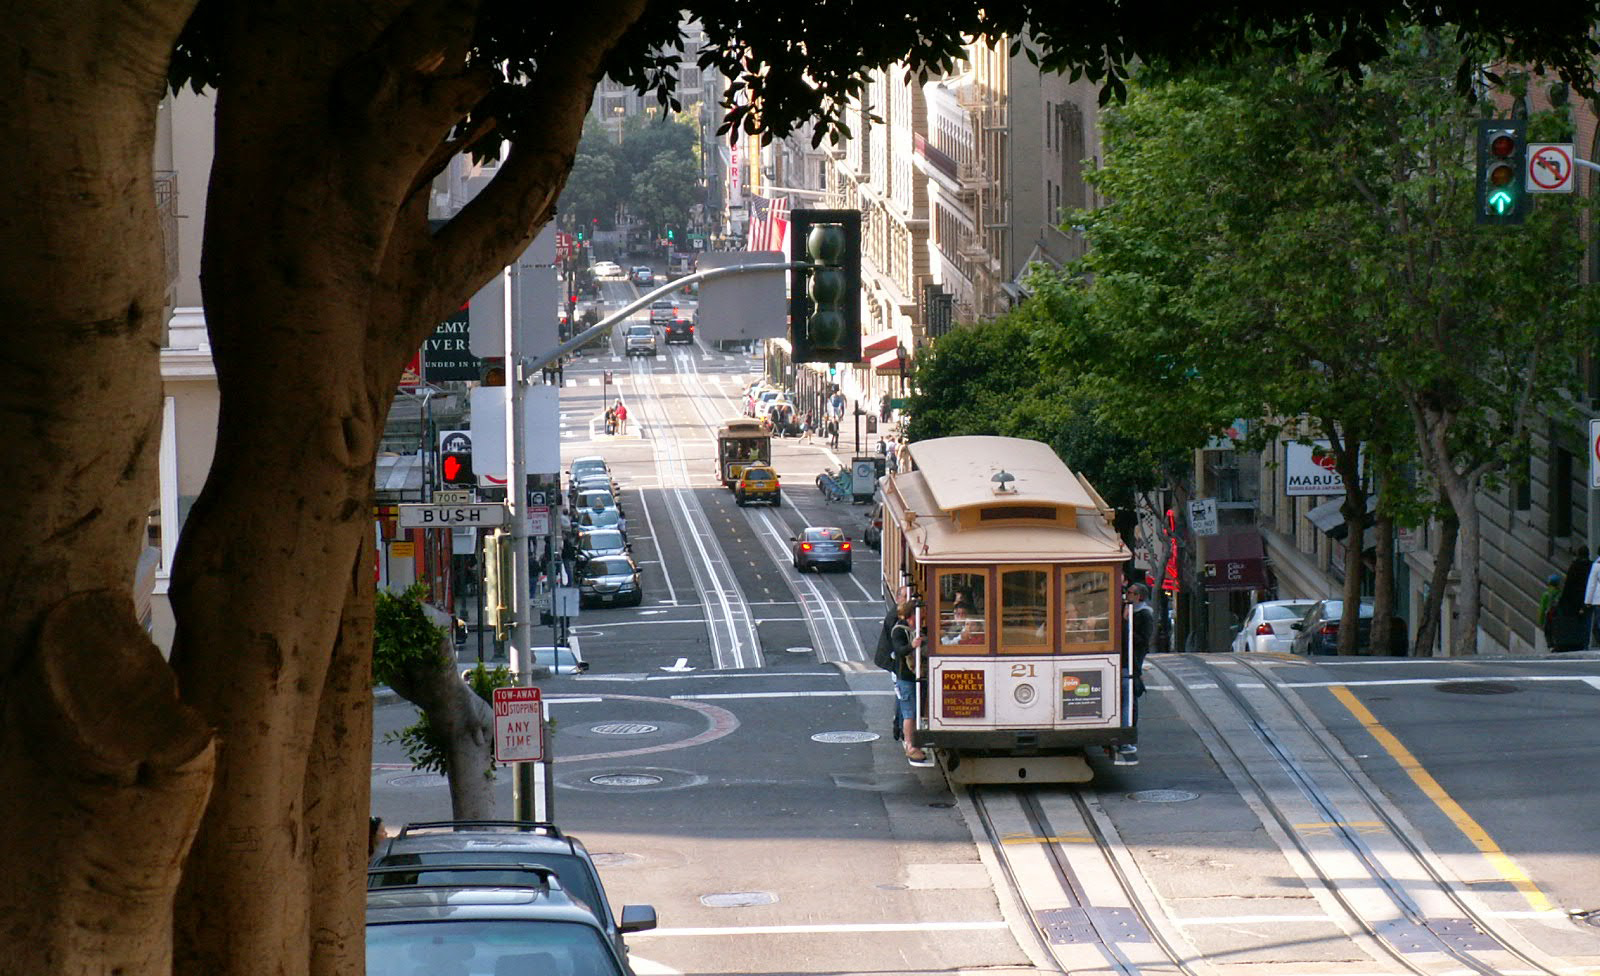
x: 888, y: 363
x: 1329, y: 518
x: 1234, y: 562
x: 876, y: 343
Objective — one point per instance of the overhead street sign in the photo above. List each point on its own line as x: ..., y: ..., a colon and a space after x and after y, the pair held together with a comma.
x: 452, y: 516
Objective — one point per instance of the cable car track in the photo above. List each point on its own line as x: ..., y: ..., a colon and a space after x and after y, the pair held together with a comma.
x: 1386, y: 891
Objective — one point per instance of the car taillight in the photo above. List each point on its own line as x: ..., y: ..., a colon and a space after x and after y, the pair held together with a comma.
x: 845, y: 547
x: 805, y: 547
x: 1328, y: 630
x: 1263, y: 630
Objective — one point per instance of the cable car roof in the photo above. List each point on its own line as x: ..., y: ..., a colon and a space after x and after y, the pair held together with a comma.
x: 941, y: 505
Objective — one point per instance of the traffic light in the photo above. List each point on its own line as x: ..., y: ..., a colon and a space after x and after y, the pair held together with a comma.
x: 672, y: 235
x: 1502, y: 160
x: 497, y: 582
x: 455, y: 467
x: 825, y: 290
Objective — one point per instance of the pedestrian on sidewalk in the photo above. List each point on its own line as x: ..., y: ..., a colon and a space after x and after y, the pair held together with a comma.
x: 622, y: 418
x: 1569, y: 619
x: 808, y: 426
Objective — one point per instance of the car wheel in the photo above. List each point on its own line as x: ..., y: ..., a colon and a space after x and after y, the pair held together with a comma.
x: 638, y: 598
x: 777, y: 500
x: 847, y: 567
x: 738, y: 497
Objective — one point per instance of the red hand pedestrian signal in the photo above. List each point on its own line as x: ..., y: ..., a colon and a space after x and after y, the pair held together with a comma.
x: 456, y: 469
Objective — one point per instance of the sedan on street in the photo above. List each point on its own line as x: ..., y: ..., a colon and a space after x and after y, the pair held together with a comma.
x: 820, y: 546
x: 609, y: 580
x: 593, y: 543
x: 1269, y: 626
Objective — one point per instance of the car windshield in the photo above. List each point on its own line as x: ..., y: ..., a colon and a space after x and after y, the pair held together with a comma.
x: 600, y: 540
x: 582, y: 468
x: 640, y: 330
x: 596, y: 499
x: 570, y: 870
x: 757, y: 474
x: 1294, y: 612
x: 608, y: 517
x: 607, y: 567
x: 824, y: 535
x: 487, y: 947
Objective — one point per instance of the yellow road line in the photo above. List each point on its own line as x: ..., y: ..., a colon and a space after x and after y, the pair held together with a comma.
x: 1430, y: 787
x: 1036, y: 839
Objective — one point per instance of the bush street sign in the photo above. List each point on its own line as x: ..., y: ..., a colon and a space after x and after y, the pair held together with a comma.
x: 452, y: 516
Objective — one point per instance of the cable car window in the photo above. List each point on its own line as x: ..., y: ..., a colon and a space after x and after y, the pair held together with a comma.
x: 963, y: 610
x: 1085, y: 609
x: 1024, y: 610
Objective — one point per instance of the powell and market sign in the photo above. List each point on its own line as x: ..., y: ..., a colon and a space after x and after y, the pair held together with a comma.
x: 445, y: 355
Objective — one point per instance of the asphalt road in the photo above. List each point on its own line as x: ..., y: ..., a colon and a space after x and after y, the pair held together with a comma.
x: 766, y: 812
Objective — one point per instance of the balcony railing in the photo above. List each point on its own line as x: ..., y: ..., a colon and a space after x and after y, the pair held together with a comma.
x: 167, y: 214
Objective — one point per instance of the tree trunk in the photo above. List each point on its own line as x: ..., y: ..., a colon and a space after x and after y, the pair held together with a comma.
x: 1464, y: 630
x: 337, y: 786
x: 104, y: 770
x: 1383, y: 615
x: 1354, y: 510
x: 464, y: 722
x: 1444, y: 554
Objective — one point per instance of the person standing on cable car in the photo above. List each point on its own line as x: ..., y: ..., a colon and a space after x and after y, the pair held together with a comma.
x: 905, y: 645
x: 1144, y: 632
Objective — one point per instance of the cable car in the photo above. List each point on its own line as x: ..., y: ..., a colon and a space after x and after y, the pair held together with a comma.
x: 1015, y: 569
x: 741, y: 441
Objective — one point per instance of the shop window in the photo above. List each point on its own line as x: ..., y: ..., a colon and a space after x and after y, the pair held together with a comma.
x: 1085, y: 610
x: 1024, y: 610
x: 963, y: 611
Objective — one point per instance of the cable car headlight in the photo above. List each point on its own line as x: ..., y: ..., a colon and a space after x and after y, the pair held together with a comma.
x: 1025, y: 693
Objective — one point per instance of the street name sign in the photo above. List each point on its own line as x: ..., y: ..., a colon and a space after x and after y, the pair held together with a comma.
x: 452, y: 516
x: 518, y: 725
x: 456, y: 496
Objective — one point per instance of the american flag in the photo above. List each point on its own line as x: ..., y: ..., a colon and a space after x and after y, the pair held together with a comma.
x: 769, y: 224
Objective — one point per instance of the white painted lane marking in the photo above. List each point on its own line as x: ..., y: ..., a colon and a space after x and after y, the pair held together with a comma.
x: 789, y: 694
x: 886, y: 927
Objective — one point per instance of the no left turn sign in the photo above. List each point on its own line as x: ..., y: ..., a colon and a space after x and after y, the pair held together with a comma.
x: 1549, y: 167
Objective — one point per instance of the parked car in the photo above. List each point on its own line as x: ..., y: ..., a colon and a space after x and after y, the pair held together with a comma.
x: 679, y: 330
x: 588, y: 464
x: 610, y: 579
x: 817, y: 545
x: 528, y: 928
x: 1267, y: 626
x: 594, y: 481
x: 599, y: 518
x: 607, y: 269
x: 759, y: 399
x: 514, y: 843
x: 595, y: 498
x: 591, y: 543
x: 1318, y: 631
x: 644, y: 275
x: 757, y: 482
x: 639, y: 340
x: 559, y: 660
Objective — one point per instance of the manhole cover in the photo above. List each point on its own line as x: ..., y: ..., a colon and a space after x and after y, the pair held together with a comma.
x: 738, y: 899
x: 612, y: 859
x: 625, y: 779
x: 1477, y: 687
x: 419, y: 779
x: 1163, y: 796
x: 844, y: 737
x: 798, y: 650
x: 625, y: 728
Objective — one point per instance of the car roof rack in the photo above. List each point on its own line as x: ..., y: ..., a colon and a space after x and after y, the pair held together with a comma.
x: 548, y: 879
x: 528, y: 826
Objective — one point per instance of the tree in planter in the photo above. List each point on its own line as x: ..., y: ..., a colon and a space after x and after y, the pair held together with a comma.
x: 320, y: 277
x: 414, y: 654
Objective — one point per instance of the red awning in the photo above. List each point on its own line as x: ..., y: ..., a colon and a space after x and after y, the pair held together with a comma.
x: 1235, y: 562
x: 888, y: 362
x: 873, y: 344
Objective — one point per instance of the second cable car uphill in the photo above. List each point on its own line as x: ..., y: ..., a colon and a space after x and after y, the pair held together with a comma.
x: 1015, y: 567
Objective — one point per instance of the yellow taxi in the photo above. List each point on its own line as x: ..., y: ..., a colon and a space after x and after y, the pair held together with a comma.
x: 757, y: 482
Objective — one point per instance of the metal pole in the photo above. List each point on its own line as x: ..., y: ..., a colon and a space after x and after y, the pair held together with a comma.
x: 481, y: 584
x: 522, y: 791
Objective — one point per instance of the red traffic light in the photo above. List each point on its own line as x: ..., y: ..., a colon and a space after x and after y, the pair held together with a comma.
x: 1502, y: 146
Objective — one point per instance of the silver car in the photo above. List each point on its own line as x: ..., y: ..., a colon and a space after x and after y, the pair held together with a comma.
x: 609, y: 580
x: 640, y: 340
x: 1270, y: 626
